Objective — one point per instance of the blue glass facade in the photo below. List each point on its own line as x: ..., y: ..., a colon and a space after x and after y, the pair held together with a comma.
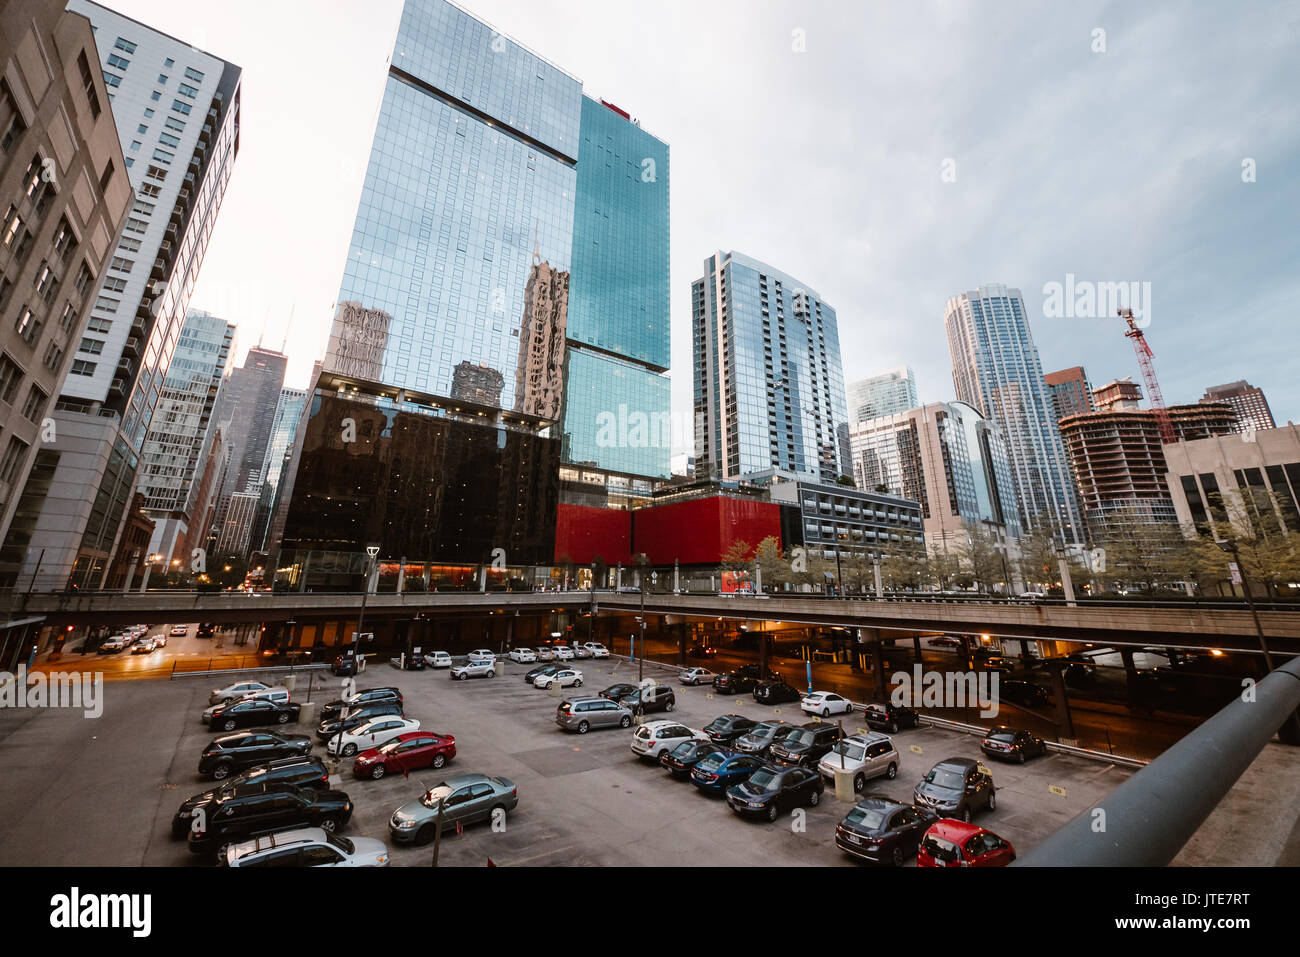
x: 626, y: 407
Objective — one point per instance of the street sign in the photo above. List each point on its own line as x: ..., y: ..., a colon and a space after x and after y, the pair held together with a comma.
x: 1235, y: 570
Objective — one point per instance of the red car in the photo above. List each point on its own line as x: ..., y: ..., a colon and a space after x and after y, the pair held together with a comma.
x: 950, y: 843
x: 406, y: 752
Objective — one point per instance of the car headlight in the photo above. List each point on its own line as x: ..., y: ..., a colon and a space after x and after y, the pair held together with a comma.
x: 405, y: 824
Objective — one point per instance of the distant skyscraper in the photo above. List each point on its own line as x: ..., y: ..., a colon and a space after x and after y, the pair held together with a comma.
x: 1249, y: 402
x: 1069, y: 392
x: 769, y: 388
x: 288, y: 413
x: 885, y: 394
x: 996, y: 369
x: 480, y: 384
x: 177, y: 113
x: 174, y: 444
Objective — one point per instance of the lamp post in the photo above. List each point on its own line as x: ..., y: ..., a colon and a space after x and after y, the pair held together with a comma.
x: 371, y: 552
x: 640, y: 658
x: 591, y: 609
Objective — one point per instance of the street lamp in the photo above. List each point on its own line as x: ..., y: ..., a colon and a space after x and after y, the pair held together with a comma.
x: 371, y: 552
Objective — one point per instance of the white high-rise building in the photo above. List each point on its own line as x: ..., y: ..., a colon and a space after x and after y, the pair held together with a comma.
x: 885, y: 394
x: 996, y: 369
x: 176, y: 110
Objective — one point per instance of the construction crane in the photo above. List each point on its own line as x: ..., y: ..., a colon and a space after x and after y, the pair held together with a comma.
x: 1144, y: 357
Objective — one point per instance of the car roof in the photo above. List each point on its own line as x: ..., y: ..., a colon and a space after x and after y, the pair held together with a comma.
x: 664, y: 722
x: 871, y: 737
x: 967, y: 763
x: 880, y: 802
x: 465, y: 777
x: 954, y: 830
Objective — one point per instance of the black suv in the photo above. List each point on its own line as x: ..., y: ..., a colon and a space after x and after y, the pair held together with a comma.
x: 246, y: 749
x: 364, y: 696
x: 805, y: 745
x: 300, y: 772
x: 776, y: 692
x: 654, y: 698
x: 742, y: 680
x: 256, y: 809
x: 957, y: 788
x: 726, y: 728
x: 253, y: 711
x: 889, y: 716
x: 356, y: 717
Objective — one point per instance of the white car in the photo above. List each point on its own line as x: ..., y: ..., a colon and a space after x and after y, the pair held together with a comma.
x: 825, y: 703
x: 438, y: 659
x: 1032, y: 596
x: 306, y: 847
x: 522, y: 655
x: 597, y: 649
x: 372, y: 734
x: 481, y: 654
x: 654, y: 738
x: 866, y: 755
x: 565, y: 678
x: 235, y: 691
x: 545, y: 654
x: 179, y: 631
x: 563, y: 653
x: 697, y: 676
x: 474, y: 669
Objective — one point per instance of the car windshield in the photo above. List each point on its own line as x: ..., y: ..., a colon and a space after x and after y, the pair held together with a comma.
x: 866, y: 818
x: 1002, y: 735
x: 850, y: 750
x: 940, y: 849
x: 433, y: 796
x: 801, y: 736
x: 765, y: 779
x: 342, y: 843
x: 945, y: 777
x: 684, y: 750
x: 764, y: 730
x: 712, y: 762
x: 390, y: 747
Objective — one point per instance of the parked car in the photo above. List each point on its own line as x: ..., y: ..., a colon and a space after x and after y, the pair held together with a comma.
x: 112, y: 644
x: 466, y: 799
x: 563, y: 653
x: 825, y: 703
x: 1024, y: 693
x: 581, y: 651
x: 300, y: 771
x: 345, y: 665
x: 583, y: 714
x: 482, y: 654
x: 256, y: 809
x: 1080, y: 675
x: 545, y: 654
x: 408, y: 751
x: 696, y: 676
x: 438, y: 659
x: 355, y: 717
x: 654, y: 739
x: 732, y: 682
x: 804, y: 745
x: 702, y: 651
x: 564, y: 677
x: 718, y: 771
x: 998, y: 663
x: 614, y: 692
x: 280, y: 695
x: 949, y: 843
x: 408, y: 662
x: 372, y: 734
x: 726, y: 728
x: 253, y: 711
x: 866, y: 755
x: 653, y: 698
x: 474, y: 668
x: 550, y: 669
x: 769, y: 791
x: 883, y: 830
x: 597, y: 649
x: 1004, y: 742
x: 957, y: 787
x: 760, y: 738
x: 522, y: 655
x: 360, y: 698
x: 890, y: 716
x: 681, y: 759
x: 306, y: 847
x: 776, y: 692
x: 179, y: 631
x: 234, y: 692
x: 946, y: 640
x: 245, y: 749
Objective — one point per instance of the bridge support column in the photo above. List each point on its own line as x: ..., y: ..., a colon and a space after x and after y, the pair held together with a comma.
x: 401, y: 574
x: 1025, y: 656
x: 965, y: 651
x: 1132, y: 690
x: 916, y: 647
x: 877, y: 648
x: 1064, y: 720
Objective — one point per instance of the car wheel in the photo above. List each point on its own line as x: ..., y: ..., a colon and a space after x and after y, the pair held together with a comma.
x: 859, y: 784
x: 224, y: 849
x: 282, y: 718
x: 425, y: 834
x: 669, y: 706
x: 329, y: 823
x: 583, y: 727
x: 349, y: 750
x: 771, y: 812
x: 228, y: 724
x: 898, y: 856
x: 578, y: 683
x: 1020, y: 757
x: 378, y: 771
x: 826, y: 712
x: 993, y: 801
x: 221, y: 772
x: 492, y: 674
x: 893, y: 727
x: 439, y: 760
x: 626, y: 722
x: 965, y: 814
x: 892, y: 772
x: 815, y: 798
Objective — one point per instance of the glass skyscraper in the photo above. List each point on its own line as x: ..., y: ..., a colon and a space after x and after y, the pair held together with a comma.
x: 886, y: 394
x: 769, y: 388
x: 996, y: 370
x: 511, y: 244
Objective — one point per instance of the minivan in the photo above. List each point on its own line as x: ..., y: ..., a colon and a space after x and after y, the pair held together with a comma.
x: 583, y: 714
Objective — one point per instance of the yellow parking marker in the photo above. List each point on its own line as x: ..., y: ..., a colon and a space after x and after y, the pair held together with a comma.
x: 916, y: 749
x: 1055, y: 789
x: 709, y: 696
x: 776, y: 710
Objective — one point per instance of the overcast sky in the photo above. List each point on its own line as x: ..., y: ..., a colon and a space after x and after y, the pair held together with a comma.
x: 1122, y: 165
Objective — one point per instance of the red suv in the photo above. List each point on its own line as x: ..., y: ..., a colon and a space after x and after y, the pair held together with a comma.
x: 406, y: 752
x: 952, y: 843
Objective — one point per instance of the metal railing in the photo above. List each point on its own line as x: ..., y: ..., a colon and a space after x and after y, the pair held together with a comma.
x: 1146, y: 820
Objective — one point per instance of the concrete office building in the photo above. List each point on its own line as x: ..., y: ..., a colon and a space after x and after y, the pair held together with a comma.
x: 996, y: 370
x: 176, y: 110
x: 885, y: 394
x: 1248, y: 401
x: 64, y: 195
x: 768, y: 385
x: 1226, y: 480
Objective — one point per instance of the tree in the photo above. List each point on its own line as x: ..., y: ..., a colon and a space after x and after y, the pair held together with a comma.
x: 774, y: 569
x: 1141, y: 553
x: 846, y: 481
x: 738, y: 556
x: 979, y: 556
x: 1267, y: 550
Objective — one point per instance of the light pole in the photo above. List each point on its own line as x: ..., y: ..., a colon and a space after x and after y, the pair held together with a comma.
x: 640, y: 658
x: 371, y: 552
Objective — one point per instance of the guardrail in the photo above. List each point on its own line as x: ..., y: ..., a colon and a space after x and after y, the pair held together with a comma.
x: 1146, y: 820
x: 237, y: 670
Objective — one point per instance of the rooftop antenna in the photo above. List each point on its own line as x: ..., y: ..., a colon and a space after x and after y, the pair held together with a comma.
x: 284, y: 345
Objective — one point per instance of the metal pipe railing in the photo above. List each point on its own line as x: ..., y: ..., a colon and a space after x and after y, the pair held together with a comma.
x: 1146, y: 820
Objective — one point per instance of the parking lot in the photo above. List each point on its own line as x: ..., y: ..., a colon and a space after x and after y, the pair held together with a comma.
x: 102, y: 792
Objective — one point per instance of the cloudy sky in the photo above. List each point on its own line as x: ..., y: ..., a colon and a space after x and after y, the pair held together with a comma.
x: 888, y: 154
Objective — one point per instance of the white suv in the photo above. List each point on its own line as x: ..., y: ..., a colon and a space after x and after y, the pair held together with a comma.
x: 867, y: 755
x: 306, y: 847
x: 438, y: 659
x: 655, y: 738
x: 522, y: 655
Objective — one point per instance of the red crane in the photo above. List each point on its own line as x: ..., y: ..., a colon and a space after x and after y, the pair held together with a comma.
x: 1144, y: 356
